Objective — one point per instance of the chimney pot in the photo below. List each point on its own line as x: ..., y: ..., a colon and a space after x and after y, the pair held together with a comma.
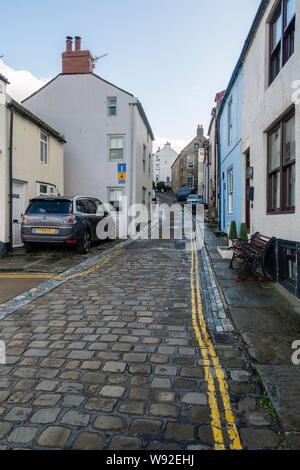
x: 69, y: 43
x: 77, y: 43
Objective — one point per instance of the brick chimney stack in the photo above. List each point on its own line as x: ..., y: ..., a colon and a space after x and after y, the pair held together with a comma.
x: 76, y: 61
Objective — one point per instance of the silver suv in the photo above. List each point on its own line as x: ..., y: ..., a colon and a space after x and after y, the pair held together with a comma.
x: 69, y: 221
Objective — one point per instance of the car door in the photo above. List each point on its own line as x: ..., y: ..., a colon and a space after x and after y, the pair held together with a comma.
x: 81, y: 212
x: 93, y: 217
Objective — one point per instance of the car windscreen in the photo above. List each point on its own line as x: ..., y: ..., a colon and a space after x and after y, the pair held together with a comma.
x: 50, y: 207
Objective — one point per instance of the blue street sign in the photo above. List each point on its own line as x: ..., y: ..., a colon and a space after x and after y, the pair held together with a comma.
x: 121, y: 167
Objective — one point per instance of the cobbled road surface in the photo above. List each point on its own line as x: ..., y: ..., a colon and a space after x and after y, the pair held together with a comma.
x: 136, y: 355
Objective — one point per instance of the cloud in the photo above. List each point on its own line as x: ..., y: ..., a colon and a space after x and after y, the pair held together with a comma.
x: 22, y: 82
x: 176, y: 144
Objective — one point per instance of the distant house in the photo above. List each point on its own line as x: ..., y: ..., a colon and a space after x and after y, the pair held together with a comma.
x: 109, y: 138
x: 188, y: 168
x: 230, y: 153
x: 31, y: 164
x: 163, y: 160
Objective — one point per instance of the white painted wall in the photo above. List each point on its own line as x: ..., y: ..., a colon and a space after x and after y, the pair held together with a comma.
x: 162, y: 166
x: 76, y: 104
x: 262, y: 106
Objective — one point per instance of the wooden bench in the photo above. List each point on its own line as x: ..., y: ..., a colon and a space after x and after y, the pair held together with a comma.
x: 253, y: 253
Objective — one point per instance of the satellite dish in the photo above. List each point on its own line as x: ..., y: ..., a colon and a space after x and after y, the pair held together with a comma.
x: 95, y: 59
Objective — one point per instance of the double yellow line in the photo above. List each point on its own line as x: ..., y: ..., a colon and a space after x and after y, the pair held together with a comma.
x: 211, y: 364
x: 62, y: 278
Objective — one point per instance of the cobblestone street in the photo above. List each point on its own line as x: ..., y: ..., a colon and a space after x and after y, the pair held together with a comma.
x: 138, y: 354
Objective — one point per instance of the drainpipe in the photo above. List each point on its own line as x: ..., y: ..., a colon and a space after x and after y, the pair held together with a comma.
x: 219, y: 172
x: 131, y: 153
x: 11, y: 176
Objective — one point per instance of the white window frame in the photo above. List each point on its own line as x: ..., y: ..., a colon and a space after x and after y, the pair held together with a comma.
x: 50, y: 189
x: 190, y: 162
x: 230, y: 190
x: 121, y: 191
x: 111, y: 106
x: 117, y: 137
x: 44, y: 140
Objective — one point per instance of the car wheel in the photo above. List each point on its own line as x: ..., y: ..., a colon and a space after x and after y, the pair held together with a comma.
x: 85, y: 244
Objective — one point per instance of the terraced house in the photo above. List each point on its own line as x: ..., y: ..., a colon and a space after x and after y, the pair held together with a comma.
x: 31, y: 164
x: 271, y: 134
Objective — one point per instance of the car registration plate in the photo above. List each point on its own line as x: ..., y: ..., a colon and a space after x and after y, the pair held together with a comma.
x: 46, y: 231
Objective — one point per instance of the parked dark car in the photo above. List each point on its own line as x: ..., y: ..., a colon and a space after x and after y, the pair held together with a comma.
x: 69, y: 221
x: 183, y: 193
x: 195, y: 199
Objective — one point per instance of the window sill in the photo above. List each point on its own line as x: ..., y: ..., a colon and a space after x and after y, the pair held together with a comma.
x: 282, y: 68
x: 292, y: 211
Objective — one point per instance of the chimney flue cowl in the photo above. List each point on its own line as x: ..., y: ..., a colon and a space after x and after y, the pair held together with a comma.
x: 77, y: 43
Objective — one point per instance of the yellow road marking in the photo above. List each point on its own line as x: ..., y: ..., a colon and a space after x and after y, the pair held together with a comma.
x: 207, y: 348
x: 215, y: 413
x: 25, y: 276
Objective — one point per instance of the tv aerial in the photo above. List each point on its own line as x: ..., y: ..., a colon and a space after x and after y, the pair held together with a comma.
x: 95, y: 59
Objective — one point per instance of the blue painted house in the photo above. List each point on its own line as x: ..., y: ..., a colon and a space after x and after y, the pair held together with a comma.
x: 232, y: 163
x: 230, y: 153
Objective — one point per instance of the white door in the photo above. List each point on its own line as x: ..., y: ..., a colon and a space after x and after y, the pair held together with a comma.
x: 18, y: 211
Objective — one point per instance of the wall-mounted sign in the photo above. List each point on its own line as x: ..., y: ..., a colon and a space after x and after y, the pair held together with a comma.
x: 122, y: 173
x: 121, y: 167
x: 249, y: 173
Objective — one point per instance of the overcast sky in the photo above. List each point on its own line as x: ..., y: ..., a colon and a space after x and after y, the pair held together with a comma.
x: 174, y: 55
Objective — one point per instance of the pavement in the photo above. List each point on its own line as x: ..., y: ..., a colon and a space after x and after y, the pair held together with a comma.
x: 267, y: 320
x: 139, y: 353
